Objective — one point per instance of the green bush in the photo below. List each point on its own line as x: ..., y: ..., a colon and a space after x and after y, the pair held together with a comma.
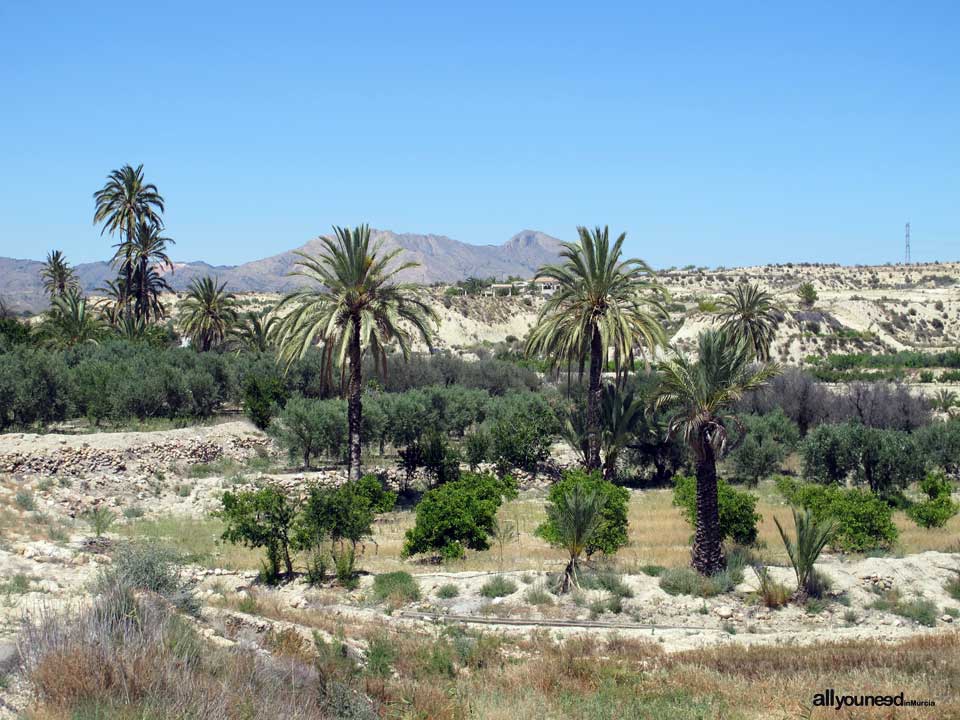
x: 940, y: 442
x: 396, y: 586
x: 767, y: 441
x: 476, y: 447
x: 888, y: 460
x: 153, y: 567
x: 448, y: 591
x: 521, y: 432
x: 440, y: 459
x: 261, y: 518
x: 829, y: 453
x: 457, y: 515
x: 498, y: 586
x: 687, y: 581
x: 939, y: 507
x: 611, y: 533
x: 738, y: 516
x: 263, y: 392
x: 308, y: 428
x: 864, y: 521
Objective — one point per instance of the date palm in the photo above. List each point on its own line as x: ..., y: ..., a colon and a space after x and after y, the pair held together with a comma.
x: 603, y: 303
x: 58, y: 276
x: 207, y: 313
x: 148, y: 256
x: 576, y: 516
x: 700, y: 396
x: 113, y: 300
x: 71, y: 322
x: 353, y: 305
x: 254, y: 331
x: 622, y: 413
x: 121, y: 204
x: 751, y: 313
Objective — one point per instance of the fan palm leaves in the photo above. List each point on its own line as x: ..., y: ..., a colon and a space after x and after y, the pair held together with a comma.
x: 71, y: 321
x: 353, y: 305
x: 603, y: 303
x: 125, y: 201
x: 751, y: 313
x: 207, y: 313
x: 700, y: 396
x: 58, y: 276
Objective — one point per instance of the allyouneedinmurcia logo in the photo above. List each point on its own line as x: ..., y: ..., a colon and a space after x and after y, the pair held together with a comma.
x: 832, y: 699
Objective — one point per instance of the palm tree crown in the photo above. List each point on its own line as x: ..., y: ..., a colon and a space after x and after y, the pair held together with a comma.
x: 700, y: 396
x: 751, y: 313
x: 147, y: 256
x: 352, y: 305
x: 207, y: 313
x: 58, y: 276
x: 603, y: 302
x: 70, y: 322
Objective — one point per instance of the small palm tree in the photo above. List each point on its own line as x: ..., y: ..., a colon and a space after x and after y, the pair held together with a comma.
x: 113, y: 300
x: 811, y: 537
x: 124, y: 202
x: 71, y: 322
x: 207, y: 313
x: 254, y: 331
x: 603, y: 303
x: 575, y: 516
x: 944, y: 400
x: 621, y: 415
x: 58, y: 276
x: 751, y: 313
x: 147, y: 253
x: 353, y: 305
x: 700, y: 396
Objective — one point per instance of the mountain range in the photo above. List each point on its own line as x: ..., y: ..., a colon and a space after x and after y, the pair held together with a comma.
x: 440, y: 258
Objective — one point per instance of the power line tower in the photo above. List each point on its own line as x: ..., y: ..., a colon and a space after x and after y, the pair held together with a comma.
x: 907, y: 239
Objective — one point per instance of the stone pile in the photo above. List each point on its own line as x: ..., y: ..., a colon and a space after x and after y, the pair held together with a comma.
x: 878, y: 583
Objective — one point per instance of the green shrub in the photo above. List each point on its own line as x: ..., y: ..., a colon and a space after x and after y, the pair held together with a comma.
x: 24, y: 500
x: 829, y: 453
x: 457, y: 516
x: 308, y: 428
x: 939, y: 507
x: 952, y: 586
x: 738, y: 517
x: 864, y: 521
x: 521, y: 431
x: 611, y: 533
x: 100, y: 519
x: 396, y: 586
x: 440, y: 459
x: 476, y: 447
x: 653, y: 570
x: 149, y: 566
x: 687, y: 581
x: 768, y: 440
x: 448, y: 591
x: 263, y: 392
x: 940, y: 442
x: 261, y: 518
x: 498, y: 586
x: 888, y: 460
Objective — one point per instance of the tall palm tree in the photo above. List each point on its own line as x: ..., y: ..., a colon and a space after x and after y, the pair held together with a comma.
x: 353, y: 306
x: 113, y: 300
x: 603, y: 303
x: 751, y: 313
x: 58, y: 276
x: 701, y: 395
x: 207, y: 313
x: 121, y: 204
x: 71, y: 322
x: 148, y: 255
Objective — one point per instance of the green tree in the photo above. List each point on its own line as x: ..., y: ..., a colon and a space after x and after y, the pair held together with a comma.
x: 751, y: 313
x: 807, y: 294
x: 354, y: 305
x: 701, y: 394
x: 121, y: 204
x: 307, y: 428
x: 253, y: 332
x: 261, y: 518
x: 603, y: 302
x: 147, y: 252
x: 207, y: 313
x: 70, y: 321
x: 610, y: 533
x: 572, y: 521
x: 58, y: 276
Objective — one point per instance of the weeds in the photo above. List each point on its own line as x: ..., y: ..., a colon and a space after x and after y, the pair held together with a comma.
x: 498, y: 586
x: 100, y: 519
x: 398, y: 587
x: 448, y: 591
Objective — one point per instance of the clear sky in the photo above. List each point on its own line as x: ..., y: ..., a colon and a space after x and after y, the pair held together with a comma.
x: 713, y: 133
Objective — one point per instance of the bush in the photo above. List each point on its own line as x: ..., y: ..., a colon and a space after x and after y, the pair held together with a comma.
x: 440, y: 459
x: 687, y: 581
x: 308, y: 428
x: 100, y: 519
x: 864, y: 521
x: 476, y: 447
x: 153, y: 567
x: 738, y: 516
x: 768, y: 440
x: 498, y: 586
x: 940, y: 442
x: 262, y: 393
x: 889, y: 460
x: 611, y: 533
x: 829, y: 453
x: 400, y: 587
x: 521, y: 432
x: 261, y: 518
x: 457, y: 515
x: 939, y: 507
x: 448, y: 591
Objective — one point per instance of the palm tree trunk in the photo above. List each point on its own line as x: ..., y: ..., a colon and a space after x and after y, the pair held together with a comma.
x: 707, y: 550
x: 354, y: 409
x: 594, y: 398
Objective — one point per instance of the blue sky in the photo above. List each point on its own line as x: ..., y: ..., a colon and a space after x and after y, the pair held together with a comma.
x: 725, y: 133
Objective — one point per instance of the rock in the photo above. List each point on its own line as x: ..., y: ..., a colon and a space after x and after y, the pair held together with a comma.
x: 723, y: 612
x: 946, y: 618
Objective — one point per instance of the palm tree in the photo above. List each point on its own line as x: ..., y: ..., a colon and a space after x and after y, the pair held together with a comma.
x: 70, y: 322
x: 113, y: 301
x: 700, y: 396
x: 575, y: 516
x: 944, y: 400
x: 146, y: 254
x: 354, y: 305
x: 58, y: 276
x: 751, y: 313
x: 254, y: 332
x: 208, y: 313
x: 622, y: 413
x: 812, y: 535
x: 122, y: 203
x: 603, y: 302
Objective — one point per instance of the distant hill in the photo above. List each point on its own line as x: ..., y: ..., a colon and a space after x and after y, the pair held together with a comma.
x: 442, y: 259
